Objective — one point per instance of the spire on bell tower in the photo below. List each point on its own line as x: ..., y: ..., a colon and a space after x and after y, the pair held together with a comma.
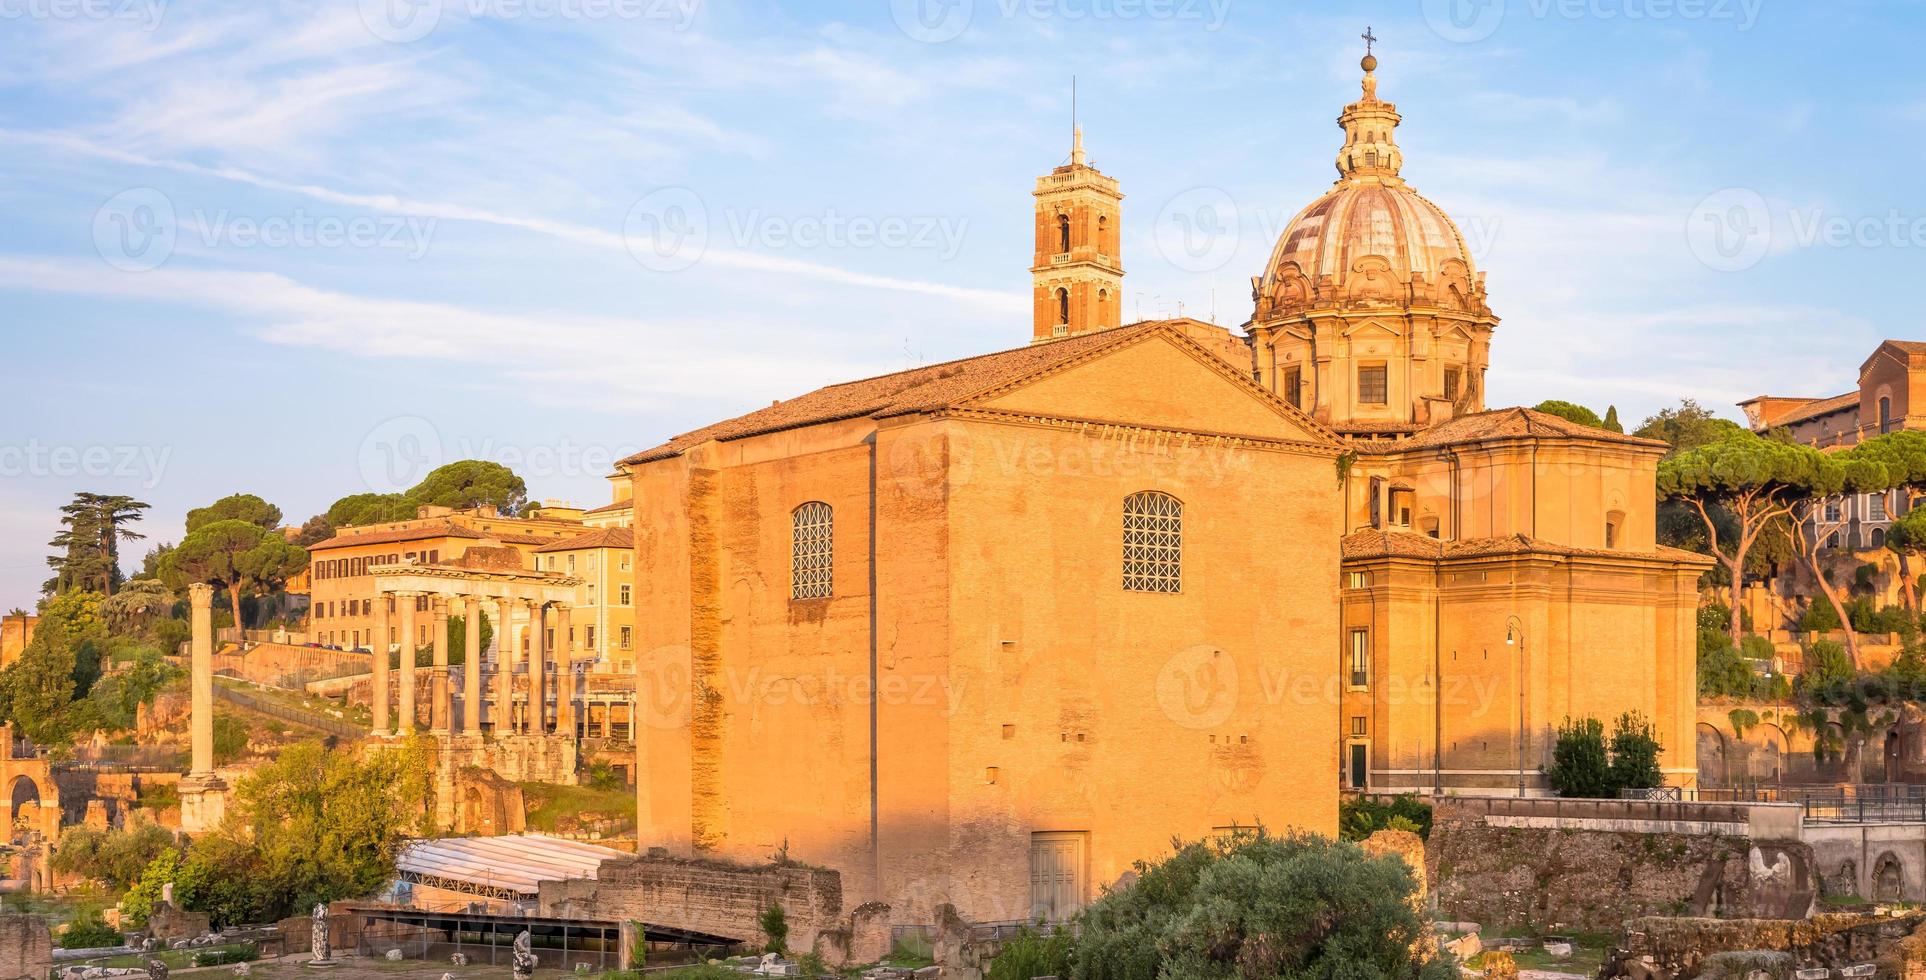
x: 1076, y: 273
x: 1370, y: 148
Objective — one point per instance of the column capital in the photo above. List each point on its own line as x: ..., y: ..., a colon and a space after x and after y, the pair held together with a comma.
x: 200, y: 595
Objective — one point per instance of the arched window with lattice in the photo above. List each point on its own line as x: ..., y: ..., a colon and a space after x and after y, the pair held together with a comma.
x: 1153, y: 542
x: 811, y: 551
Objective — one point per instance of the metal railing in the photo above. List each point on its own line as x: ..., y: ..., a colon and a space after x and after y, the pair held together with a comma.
x: 1850, y: 803
x: 307, y: 719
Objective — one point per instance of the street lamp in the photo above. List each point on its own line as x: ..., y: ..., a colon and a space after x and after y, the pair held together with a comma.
x: 1515, y: 638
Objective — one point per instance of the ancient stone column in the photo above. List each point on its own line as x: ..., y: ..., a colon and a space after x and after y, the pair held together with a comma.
x: 409, y: 638
x: 564, y: 672
x: 537, y: 720
x: 438, y: 706
x: 382, y: 724
x: 471, y: 695
x: 504, y: 666
x: 200, y: 597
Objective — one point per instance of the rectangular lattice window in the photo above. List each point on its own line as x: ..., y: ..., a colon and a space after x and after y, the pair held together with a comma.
x: 1374, y: 385
x: 1153, y: 543
x: 812, y: 540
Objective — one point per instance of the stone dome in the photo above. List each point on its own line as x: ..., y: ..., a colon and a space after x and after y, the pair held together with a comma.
x: 1370, y: 240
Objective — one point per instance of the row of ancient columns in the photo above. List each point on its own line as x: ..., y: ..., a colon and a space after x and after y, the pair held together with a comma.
x: 441, y: 708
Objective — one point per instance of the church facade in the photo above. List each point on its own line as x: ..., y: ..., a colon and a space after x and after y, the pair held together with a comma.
x: 982, y: 634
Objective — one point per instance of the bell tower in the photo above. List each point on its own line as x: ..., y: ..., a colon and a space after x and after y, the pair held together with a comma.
x: 1077, y: 277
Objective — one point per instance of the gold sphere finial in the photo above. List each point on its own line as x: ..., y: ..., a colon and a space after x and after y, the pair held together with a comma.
x: 1370, y: 62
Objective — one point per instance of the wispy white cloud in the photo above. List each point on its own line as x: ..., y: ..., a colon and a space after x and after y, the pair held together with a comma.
x: 573, y: 361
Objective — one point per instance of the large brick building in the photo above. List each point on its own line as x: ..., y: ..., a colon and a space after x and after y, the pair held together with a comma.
x: 984, y: 633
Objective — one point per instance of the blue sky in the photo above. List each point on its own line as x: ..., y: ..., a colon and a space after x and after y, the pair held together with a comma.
x: 308, y: 249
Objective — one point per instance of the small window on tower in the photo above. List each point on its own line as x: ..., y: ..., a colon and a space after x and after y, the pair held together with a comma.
x: 1294, y: 387
x: 1063, y: 306
x: 1451, y: 384
x: 1063, y: 233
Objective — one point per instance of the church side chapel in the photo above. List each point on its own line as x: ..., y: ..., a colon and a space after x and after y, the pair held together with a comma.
x: 1076, y: 574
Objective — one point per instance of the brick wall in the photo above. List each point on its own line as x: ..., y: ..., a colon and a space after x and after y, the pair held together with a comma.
x: 704, y: 896
x: 1591, y: 868
x: 26, y: 948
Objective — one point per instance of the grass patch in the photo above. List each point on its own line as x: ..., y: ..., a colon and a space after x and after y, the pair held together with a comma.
x: 579, y: 809
x: 703, y: 972
x: 1588, y: 956
x: 910, y: 953
x: 180, y: 959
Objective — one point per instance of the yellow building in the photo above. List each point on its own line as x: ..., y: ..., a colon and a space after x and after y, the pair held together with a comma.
x: 986, y: 632
x: 602, y: 637
x: 16, y: 631
x: 342, y: 614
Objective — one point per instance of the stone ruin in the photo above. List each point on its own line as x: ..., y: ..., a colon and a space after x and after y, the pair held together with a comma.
x: 1833, y: 944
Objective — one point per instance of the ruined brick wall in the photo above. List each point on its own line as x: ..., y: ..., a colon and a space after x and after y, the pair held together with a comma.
x: 1679, y: 947
x: 1569, y: 879
x: 26, y: 948
x: 704, y: 896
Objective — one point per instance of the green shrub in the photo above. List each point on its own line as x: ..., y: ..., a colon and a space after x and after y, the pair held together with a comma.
x: 1723, y: 673
x: 1362, y: 816
x: 1819, y: 617
x: 89, y: 930
x: 1635, y: 754
x: 1580, y: 767
x: 775, y: 930
x: 1033, y: 954
x: 1252, y: 906
x: 1829, y: 672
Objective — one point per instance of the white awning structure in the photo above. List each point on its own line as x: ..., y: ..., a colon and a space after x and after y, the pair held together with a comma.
x: 510, y: 868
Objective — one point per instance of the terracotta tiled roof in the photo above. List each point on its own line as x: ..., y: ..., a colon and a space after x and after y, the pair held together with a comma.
x: 609, y: 508
x: 444, y: 529
x: 518, y: 537
x: 1910, y: 346
x: 608, y: 537
x: 1817, y: 407
x: 1506, y: 423
x: 1375, y: 543
x: 924, y: 389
